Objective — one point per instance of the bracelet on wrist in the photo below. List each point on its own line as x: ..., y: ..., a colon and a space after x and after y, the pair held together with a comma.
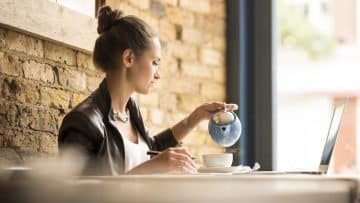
x: 185, y: 123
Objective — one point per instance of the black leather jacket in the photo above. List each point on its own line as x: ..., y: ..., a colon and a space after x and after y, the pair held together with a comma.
x: 90, y: 128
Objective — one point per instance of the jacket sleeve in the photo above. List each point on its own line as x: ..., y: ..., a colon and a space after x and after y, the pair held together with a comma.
x: 77, y: 130
x: 78, y: 142
x: 164, y: 140
x: 75, y: 139
x: 73, y: 136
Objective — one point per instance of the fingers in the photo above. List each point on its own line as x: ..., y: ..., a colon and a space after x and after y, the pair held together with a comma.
x: 182, y: 166
x: 186, y: 167
x: 182, y: 154
x: 182, y: 160
x: 181, y: 150
x: 231, y: 107
x: 220, y: 106
x: 214, y: 106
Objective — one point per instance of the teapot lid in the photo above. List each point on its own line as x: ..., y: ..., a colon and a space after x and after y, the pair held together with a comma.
x: 223, y: 118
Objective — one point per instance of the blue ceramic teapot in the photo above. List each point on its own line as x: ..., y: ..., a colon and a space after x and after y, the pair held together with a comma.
x: 225, y: 128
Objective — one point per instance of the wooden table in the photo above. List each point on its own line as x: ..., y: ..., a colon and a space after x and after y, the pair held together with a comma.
x: 182, y: 188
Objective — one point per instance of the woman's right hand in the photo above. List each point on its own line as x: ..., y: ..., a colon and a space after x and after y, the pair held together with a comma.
x: 174, y: 160
x: 171, y: 160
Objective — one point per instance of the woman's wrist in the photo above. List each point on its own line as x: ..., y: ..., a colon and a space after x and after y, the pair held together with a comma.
x: 181, y: 129
x: 186, y: 123
x: 193, y: 119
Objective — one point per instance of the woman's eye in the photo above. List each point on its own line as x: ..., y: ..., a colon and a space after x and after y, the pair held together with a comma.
x: 155, y: 64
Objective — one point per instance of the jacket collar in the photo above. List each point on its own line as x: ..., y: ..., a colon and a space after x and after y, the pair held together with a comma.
x: 104, y: 101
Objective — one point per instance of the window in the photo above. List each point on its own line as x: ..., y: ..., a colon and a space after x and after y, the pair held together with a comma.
x: 318, y: 58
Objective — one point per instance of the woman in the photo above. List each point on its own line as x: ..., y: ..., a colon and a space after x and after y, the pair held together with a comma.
x: 107, y: 126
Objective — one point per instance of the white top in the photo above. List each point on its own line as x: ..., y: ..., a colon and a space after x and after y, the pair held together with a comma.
x: 135, y: 153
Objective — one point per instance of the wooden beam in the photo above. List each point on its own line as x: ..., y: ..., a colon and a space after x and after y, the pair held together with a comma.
x: 50, y: 21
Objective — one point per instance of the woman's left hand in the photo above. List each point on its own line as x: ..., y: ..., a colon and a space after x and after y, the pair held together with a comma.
x: 204, y: 111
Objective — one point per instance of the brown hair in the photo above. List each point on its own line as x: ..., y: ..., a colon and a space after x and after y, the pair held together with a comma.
x: 118, y: 33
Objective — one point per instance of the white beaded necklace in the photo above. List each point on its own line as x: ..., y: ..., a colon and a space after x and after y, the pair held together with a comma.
x: 123, y: 117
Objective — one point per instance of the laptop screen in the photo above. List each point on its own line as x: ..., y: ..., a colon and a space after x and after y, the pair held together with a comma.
x: 332, y: 133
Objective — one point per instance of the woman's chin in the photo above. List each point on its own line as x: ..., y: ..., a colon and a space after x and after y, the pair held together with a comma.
x: 145, y: 91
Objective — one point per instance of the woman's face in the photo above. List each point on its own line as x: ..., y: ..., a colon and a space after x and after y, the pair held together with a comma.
x: 145, y: 70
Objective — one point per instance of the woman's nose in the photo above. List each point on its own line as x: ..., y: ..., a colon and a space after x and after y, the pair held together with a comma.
x: 157, y: 75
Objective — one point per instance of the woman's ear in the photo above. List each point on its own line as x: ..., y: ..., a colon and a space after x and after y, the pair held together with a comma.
x: 128, y: 58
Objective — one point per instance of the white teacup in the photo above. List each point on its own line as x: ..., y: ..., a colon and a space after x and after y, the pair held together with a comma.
x: 217, y: 160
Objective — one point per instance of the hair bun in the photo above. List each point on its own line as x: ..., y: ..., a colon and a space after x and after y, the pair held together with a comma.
x: 107, y: 17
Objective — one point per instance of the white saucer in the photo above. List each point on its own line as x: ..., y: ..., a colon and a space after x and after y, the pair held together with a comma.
x: 232, y: 169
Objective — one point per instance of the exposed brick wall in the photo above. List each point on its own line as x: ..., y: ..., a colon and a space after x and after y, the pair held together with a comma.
x: 40, y: 81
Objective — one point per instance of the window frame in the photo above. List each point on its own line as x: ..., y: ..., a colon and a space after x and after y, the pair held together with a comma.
x: 250, y: 78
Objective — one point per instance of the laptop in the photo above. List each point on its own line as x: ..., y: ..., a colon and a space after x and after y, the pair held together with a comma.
x: 329, y: 146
